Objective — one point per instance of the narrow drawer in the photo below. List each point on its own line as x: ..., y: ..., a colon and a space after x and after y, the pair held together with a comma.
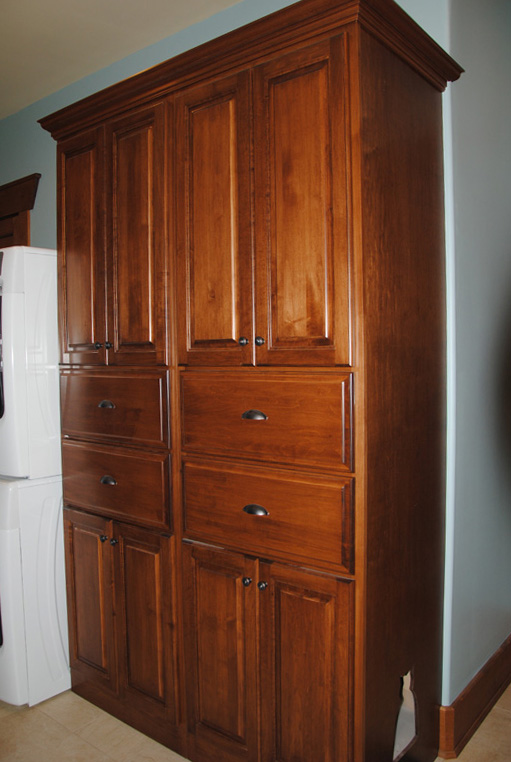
x: 296, y: 419
x: 300, y: 517
x: 120, y: 483
x: 115, y: 406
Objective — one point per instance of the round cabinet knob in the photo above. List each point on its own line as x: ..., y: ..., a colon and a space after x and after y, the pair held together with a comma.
x: 247, y: 581
x: 259, y: 341
x: 262, y: 585
x: 113, y: 541
x: 98, y: 345
x: 108, y: 345
x: 103, y: 538
x: 243, y: 341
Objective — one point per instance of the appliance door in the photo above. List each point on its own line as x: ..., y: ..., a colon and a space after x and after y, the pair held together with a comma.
x: 14, y: 444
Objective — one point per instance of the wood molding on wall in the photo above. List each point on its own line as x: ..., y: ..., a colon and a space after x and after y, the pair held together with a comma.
x: 460, y: 720
x: 16, y: 200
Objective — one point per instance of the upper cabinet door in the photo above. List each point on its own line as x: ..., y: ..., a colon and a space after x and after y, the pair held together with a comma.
x: 300, y: 164
x: 213, y: 219
x: 82, y: 249
x: 136, y: 269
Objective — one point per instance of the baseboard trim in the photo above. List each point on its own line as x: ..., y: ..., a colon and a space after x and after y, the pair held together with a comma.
x: 460, y: 720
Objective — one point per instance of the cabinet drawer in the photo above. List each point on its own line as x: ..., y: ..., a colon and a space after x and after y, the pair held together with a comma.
x: 308, y: 517
x: 120, y: 483
x: 115, y: 406
x: 306, y: 419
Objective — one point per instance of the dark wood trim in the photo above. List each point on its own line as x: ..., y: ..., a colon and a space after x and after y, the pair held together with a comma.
x: 460, y: 720
x: 16, y: 200
x: 18, y: 196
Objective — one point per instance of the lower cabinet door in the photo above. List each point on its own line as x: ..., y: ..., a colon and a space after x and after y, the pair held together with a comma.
x: 89, y: 579
x: 143, y: 564
x: 268, y: 652
x: 220, y: 652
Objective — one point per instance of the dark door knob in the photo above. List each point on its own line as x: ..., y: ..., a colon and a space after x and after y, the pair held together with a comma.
x: 113, y: 541
x: 259, y: 341
x: 108, y: 345
x: 262, y: 585
x: 103, y: 538
x: 247, y: 581
x: 98, y: 345
x: 243, y: 341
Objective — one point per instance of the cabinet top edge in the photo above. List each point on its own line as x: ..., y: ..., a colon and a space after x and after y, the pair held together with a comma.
x: 303, y: 22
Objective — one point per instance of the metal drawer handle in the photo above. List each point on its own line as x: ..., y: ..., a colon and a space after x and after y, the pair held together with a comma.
x: 254, y: 415
x: 256, y: 510
x: 108, y: 480
x: 106, y: 403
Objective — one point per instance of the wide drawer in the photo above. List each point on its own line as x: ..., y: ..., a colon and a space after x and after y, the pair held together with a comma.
x: 301, y: 517
x: 115, y: 406
x: 125, y: 484
x: 297, y: 419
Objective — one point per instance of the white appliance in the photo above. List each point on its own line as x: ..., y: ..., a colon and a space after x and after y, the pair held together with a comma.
x: 33, y: 635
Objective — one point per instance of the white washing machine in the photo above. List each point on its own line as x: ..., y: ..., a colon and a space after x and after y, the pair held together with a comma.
x: 34, y: 651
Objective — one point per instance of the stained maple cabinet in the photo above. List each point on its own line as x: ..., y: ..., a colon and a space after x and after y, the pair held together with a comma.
x: 258, y: 272
x: 259, y: 632
x: 122, y: 651
x: 252, y: 298
x: 111, y: 242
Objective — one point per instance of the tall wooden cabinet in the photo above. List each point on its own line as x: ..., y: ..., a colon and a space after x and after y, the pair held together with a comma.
x: 252, y: 328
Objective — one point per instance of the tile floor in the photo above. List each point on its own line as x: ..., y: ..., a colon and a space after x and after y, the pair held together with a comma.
x: 68, y: 729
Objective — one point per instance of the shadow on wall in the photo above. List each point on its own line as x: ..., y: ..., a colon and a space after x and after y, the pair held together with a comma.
x: 503, y: 395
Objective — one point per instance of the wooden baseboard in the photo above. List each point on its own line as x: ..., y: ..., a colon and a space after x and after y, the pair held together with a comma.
x: 460, y: 720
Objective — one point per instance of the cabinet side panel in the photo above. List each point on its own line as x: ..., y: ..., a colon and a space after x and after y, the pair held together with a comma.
x: 404, y: 326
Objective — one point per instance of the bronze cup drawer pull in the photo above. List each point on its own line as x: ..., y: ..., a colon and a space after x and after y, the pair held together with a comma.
x: 254, y: 415
x: 256, y: 510
x: 108, y: 480
x: 106, y: 403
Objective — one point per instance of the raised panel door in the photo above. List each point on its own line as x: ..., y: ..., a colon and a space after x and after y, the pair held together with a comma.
x: 220, y: 654
x: 137, y: 232
x: 89, y: 578
x: 81, y: 248
x: 301, y: 233
x: 306, y: 678
x: 144, y: 584
x: 213, y: 223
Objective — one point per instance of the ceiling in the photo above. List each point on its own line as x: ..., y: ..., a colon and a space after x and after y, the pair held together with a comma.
x: 45, y: 46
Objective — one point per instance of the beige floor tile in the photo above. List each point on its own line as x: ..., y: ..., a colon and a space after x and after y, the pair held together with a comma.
x: 151, y: 751
x: 19, y: 728
x: 72, y: 711
x: 113, y: 737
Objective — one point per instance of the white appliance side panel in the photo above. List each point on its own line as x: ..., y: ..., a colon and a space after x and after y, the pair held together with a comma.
x: 14, y: 442
x: 13, y: 659
x: 41, y: 335
x: 44, y: 589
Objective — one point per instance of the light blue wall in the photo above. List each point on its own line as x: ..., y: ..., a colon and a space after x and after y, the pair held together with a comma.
x: 478, y: 180
x: 481, y: 119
